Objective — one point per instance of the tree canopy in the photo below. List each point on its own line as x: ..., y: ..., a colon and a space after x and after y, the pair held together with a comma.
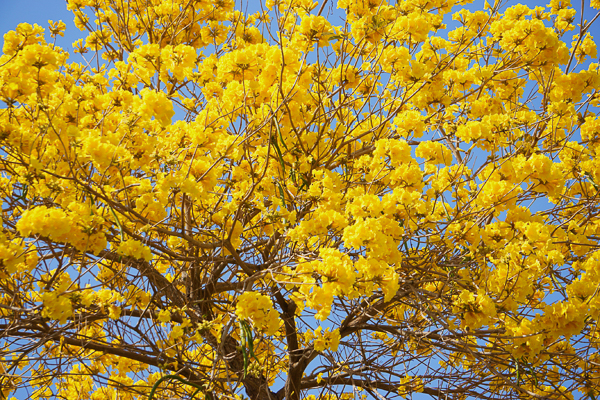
x: 294, y: 200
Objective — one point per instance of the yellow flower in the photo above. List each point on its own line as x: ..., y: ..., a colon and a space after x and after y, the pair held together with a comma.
x: 323, y: 340
x: 135, y: 249
x: 155, y: 104
x: 56, y: 306
x: 410, y: 384
x: 259, y: 309
x: 434, y: 152
x: 164, y: 316
x: 114, y: 312
x: 315, y: 28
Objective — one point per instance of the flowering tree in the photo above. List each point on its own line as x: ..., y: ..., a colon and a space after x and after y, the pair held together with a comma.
x: 367, y: 201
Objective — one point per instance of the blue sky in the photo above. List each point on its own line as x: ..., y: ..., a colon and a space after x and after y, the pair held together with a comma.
x: 13, y: 12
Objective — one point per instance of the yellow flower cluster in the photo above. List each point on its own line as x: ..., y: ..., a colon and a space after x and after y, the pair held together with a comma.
x: 434, y: 152
x: 477, y: 309
x: 315, y: 29
x: 530, y: 38
x: 105, y: 299
x: 340, y: 276
x: 57, y: 304
x: 12, y: 254
x: 154, y: 104
x: 410, y: 384
x: 135, y: 249
x: 259, y: 309
x: 323, y: 340
x: 79, y: 226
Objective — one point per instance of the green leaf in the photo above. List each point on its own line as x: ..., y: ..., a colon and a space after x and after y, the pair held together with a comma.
x: 118, y: 222
x: 281, y: 193
x: 24, y: 192
x: 280, y: 135
x: 274, y: 142
x: 249, y: 340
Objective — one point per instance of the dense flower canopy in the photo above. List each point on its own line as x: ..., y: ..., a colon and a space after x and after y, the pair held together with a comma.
x: 293, y: 200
